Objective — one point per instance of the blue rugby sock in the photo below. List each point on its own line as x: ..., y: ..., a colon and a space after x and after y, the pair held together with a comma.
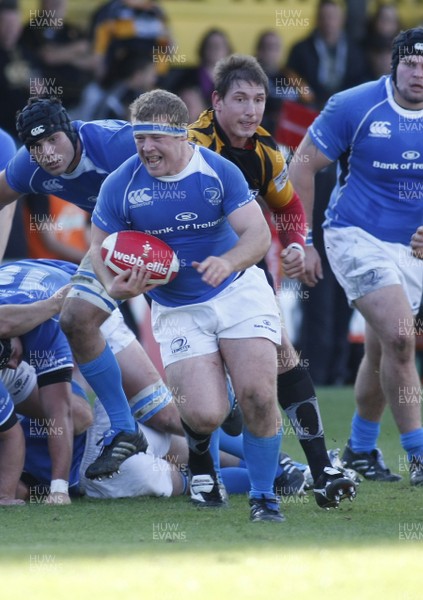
x: 234, y: 445
x: 261, y: 455
x: 236, y: 480
x: 231, y: 444
x: 364, y: 434
x: 104, y: 376
x: 412, y: 442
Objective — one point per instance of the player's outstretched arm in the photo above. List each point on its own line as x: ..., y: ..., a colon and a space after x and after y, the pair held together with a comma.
x: 306, y: 162
x: 18, y: 319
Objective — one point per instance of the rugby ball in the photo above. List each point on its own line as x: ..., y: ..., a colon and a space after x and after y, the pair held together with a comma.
x: 123, y: 250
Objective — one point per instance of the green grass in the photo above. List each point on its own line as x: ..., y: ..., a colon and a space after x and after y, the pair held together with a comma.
x: 166, y: 549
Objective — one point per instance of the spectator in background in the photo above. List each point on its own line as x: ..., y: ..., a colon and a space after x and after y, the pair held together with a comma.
x: 327, y: 59
x: 193, y: 98
x: 384, y: 23
x: 381, y: 28
x: 14, y: 72
x: 128, y: 75
x: 284, y: 84
x: 214, y: 45
x: 378, y: 55
x: 269, y: 52
x: 356, y: 18
x: 59, y: 54
x: 140, y: 25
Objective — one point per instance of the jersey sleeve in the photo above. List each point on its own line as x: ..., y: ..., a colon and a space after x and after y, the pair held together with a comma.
x: 19, y: 172
x: 108, y: 142
x: 236, y: 191
x: 331, y: 132
x: 279, y: 191
x: 109, y: 214
x: 8, y: 148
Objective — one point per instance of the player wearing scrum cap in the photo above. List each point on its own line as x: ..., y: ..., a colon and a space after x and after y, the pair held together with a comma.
x: 374, y: 132
x: 71, y: 159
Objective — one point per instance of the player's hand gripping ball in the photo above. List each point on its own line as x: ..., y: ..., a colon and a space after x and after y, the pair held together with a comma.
x: 125, y: 249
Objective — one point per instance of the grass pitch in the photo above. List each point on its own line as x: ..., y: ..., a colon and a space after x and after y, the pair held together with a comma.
x: 165, y: 549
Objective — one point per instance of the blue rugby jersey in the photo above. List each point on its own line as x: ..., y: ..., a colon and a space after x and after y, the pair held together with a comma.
x: 379, y: 148
x: 187, y: 211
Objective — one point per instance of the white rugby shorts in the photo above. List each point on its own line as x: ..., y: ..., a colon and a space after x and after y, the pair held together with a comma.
x: 116, y: 332
x: 363, y: 264
x: 247, y: 308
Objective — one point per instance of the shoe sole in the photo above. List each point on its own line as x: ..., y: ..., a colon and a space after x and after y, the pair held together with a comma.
x: 95, y: 472
x: 340, y: 489
x: 100, y: 474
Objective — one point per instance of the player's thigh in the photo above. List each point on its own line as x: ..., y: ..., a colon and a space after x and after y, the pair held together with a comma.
x: 252, y: 364
x: 199, y: 388
x: 388, y: 312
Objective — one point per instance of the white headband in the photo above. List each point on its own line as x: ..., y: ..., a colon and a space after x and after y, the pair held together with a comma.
x: 154, y: 128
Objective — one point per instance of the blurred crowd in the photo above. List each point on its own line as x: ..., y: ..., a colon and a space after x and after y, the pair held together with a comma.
x: 98, y: 69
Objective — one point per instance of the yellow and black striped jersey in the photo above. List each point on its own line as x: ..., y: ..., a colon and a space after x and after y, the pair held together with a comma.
x: 262, y: 163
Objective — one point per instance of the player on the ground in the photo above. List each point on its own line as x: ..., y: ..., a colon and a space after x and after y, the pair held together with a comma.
x: 161, y: 471
x: 28, y: 330
x: 374, y: 132
x: 232, y: 128
x: 31, y: 295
